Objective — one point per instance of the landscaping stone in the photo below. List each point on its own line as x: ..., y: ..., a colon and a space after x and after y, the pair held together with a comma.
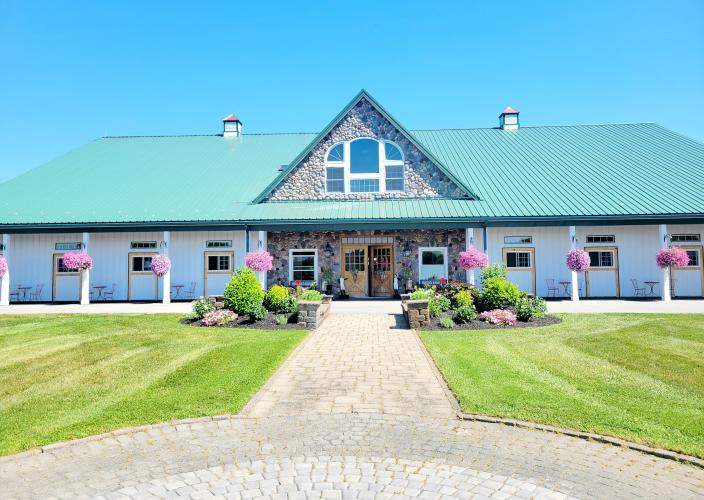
x: 311, y: 314
x: 416, y: 312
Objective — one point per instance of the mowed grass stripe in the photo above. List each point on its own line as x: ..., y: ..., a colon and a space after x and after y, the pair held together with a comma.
x: 635, y: 376
x: 121, y: 370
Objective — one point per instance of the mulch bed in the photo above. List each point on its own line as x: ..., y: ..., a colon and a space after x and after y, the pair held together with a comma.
x: 482, y: 325
x: 268, y: 323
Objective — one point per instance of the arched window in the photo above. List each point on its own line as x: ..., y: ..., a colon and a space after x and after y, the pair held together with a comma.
x: 364, y: 166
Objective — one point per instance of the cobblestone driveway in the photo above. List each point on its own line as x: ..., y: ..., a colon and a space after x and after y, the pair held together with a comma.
x: 341, y: 420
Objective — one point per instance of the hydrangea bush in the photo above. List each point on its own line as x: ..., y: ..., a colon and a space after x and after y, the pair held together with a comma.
x: 502, y: 317
x: 218, y: 317
x: 260, y: 260
x: 578, y: 260
x: 161, y: 265
x: 473, y: 259
x: 672, y: 257
x: 3, y: 266
x: 77, y: 261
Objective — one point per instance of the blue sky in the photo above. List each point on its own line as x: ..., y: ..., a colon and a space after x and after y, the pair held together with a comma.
x: 74, y: 71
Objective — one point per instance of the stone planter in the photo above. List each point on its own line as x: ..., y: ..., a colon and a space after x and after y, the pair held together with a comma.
x: 311, y: 314
x: 416, y: 312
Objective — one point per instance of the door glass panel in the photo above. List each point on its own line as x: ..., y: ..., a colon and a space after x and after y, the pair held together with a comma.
x: 354, y: 260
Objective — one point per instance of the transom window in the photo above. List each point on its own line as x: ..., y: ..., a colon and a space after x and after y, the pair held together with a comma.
x: 518, y: 260
x: 601, y: 258
x: 517, y: 240
x: 685, y: 238
x: 68, y: 246
x: 364, y: 166
x: 303, y: 266
x: 218, y: 244
x: 140, y: 245
x: 601, y: 238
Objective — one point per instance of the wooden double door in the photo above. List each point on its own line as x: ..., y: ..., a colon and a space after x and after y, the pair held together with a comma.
x: 368, y: 270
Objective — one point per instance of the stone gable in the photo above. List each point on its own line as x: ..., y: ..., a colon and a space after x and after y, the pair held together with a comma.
x: 422, y: 178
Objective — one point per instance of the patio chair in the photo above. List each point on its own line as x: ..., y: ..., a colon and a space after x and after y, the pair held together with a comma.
x: 16, y: 295
x: 36, y: 295
x: 553, y: 290
x: 638, y: 291
x: 110, y: 294
x: 190, y: 292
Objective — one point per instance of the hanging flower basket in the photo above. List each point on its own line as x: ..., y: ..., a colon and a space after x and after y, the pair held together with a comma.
x: 161, y: 265
x: 578, y: 260
x: 672, y: 257
x: 261, y: 260
x: 3, y: 266
x: 473, y: 259
x: 77, y: 261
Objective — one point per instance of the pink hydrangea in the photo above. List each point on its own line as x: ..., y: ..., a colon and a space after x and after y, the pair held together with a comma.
x: 499, y: 317
x: 77, y: 261
x: 161, y: 265
x: 218, y: 317
x: 672, y: 257
x: 578, y: 260
x: 3, y: 266
x: 260, y: 260
x: 473, y: 259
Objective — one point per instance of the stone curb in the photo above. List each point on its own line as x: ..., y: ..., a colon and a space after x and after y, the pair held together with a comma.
x: 589, y: 436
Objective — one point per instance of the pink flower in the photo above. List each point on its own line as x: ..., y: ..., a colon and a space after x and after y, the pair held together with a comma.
x: 297, y: 282
x: 3, y: 266
x: 499, y: 317
x: 261, y: 260
x: 473, y: 259
x: 161, y: 265
x: 77, y: 260
x: 578, y: 260
x: 443, y: 281
x: 218, y: 317
x: 672, y: 257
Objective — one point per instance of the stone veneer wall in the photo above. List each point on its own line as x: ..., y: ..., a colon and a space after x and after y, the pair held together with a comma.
x: 422, y: 178
x: 279, y: 244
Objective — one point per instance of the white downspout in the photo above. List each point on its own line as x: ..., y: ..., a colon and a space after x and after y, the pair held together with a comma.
x: 85, y: 273
x: 166, y: 279
x: 575, y: 275
x: 666, y: 296
x: 5, y: 281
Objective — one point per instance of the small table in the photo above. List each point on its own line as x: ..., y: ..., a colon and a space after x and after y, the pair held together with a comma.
x: 24, y: 290
x: 565, y: 287
x: 651, y: 284
x: 100, y: 289
x: 178, y: 290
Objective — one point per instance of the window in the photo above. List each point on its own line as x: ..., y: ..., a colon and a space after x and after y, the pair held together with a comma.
x: 432, y: 263
x: 600, y: 258
x: 68, y: 246
x: 601, y: 238
x: 218, y: 244
x: 694, y: 260
x: 140, y: 245
x: 517, y: 240
x: 354, y: 260
x: 364, y: 166
x: 141, y: 264
x: 685, y: 238
x: 518, y: 260
x: 433, y: 258
x: 61, y: 269
x: 303, y: 265
x: 218, y: 262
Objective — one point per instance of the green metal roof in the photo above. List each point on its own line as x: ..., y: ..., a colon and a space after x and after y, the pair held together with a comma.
x: 535, y: 173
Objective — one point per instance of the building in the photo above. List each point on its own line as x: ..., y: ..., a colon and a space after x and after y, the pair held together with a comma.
x: 364, y: 196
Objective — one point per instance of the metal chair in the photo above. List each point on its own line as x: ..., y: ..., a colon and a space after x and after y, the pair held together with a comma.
x: 638, y: 291
x: 36, y: 295
x: 190, y: 292
x: 16, y: 295
x: 110, y: 294
x: 553, y: 289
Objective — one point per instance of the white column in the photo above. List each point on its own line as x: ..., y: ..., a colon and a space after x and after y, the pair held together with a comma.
x: 166, y: 279
x: 665, y: 294
x: 261, y: 245
x: 5, y: 281
x: 469, y: 243
x: 85, y: 274
x: 575, y: 276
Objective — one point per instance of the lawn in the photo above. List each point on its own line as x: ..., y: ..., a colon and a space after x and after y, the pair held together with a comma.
x: 68, y: 376
x: 636, y: 376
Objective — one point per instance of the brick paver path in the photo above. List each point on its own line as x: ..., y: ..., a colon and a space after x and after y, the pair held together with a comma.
x: 382, y: 442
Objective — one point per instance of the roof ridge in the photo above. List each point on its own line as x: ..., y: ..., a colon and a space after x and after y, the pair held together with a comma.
x: 531, y: 126
x: 147, y: 136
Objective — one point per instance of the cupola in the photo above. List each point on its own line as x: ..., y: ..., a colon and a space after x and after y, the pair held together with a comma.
x: 508, y: 119
x: 231, y: 126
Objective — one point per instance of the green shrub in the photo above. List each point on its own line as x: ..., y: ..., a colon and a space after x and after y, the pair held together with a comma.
x: 244, y: 292
x: 422, y: 294
x: 452, y: 288
x: 290, y: 305
x: 281, y: 319
x: 202, y: 306
x: 465, y: 314
x: 276, y: 299
x: 499, y: 293
x: 312, y: 295
x: 438, y: 304
x: 462, y: 298
x: 530, y: 308
x: 492, y: 271
x: 446, y: 322
x: 257, y: 313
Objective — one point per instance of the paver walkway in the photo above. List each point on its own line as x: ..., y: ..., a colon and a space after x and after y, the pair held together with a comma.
x: 356, y: 412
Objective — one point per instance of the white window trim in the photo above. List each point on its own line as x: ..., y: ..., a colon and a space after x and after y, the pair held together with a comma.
x: 380, y: 176
x: 315, y: 262
x: 434, y: 249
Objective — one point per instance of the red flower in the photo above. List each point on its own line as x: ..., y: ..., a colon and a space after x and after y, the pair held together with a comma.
x: 443, y: 280
x: 298, y: 282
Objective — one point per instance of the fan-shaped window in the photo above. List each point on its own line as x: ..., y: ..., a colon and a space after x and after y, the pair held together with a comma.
x: 337, y: 153
x: 364, y: 166
x: 392, y: 152
x: 364, y: 156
